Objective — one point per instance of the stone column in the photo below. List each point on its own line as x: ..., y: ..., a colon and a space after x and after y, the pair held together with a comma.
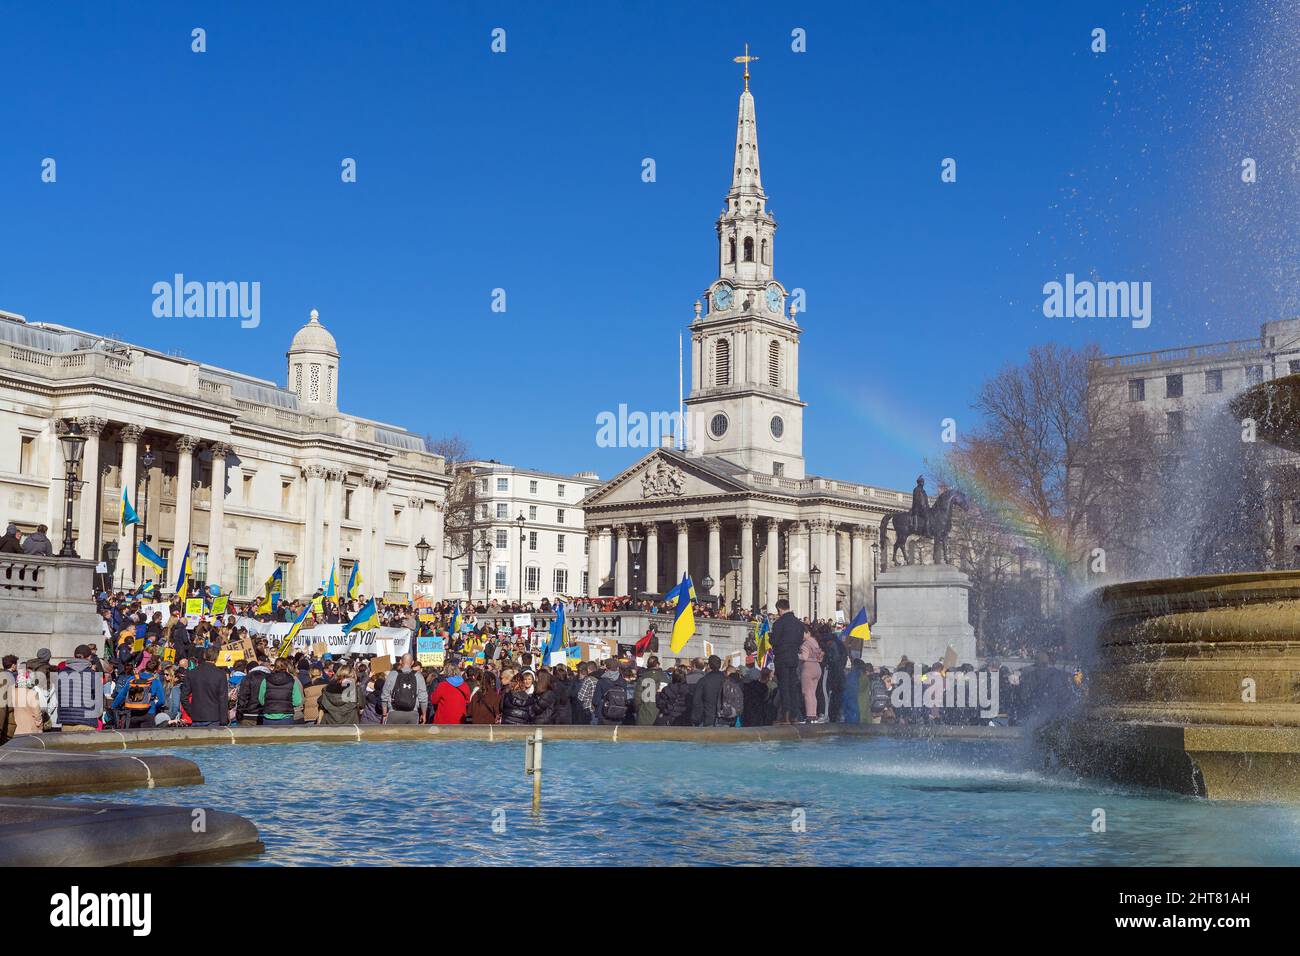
x: 92, y: 494
x: 817, y: 556
x: 376, y: 573
x: 130, y: 436
x: 830, y: 580
x: 336, y: 479
x: 857, y: 568
x: 652, y: 558
x: 313, y: 510
x: 715, y: 555
x: 797, y: 565
x: 773, y: 558
x: 605, y: 542
x: 620, y: 562
x: 185, y: 445
x: 365, y: 507
x: 683, y: 548
x: 217, y: 517
x: 593, y: 560
x: 746, y: 561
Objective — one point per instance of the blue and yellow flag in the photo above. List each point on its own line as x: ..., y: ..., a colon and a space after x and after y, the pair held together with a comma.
x: 271, y: 593
x: 858, y: 626
x: 367, y: 619
x: 354, y: 581
x: 129, y: 517
x: 147, y: 556
x: 690, y: 589
x: 684, y: 622
x: 144, y: 589
x: 183, y: 579
x: 454, y: 627
x: 559, y: 635
x: 762, y: 629
x: 287, y: 644
x: 332, y: 585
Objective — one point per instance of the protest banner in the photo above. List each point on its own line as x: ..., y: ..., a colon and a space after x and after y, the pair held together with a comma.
x: 194, y: 607
x: 396, y: 597
x: 227, y: 656
x: 219, y: 604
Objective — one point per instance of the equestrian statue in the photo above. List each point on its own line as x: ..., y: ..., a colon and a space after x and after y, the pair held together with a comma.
x: 925, y: 520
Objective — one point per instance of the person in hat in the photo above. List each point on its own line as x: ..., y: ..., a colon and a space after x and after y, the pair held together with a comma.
x: 80, y: 692
x: 11, y: 543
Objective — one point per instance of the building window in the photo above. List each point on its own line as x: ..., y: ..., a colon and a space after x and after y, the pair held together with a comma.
x: 749, y: 248
x: 464, y: 578
x: 501, y: 510
x: 532, y: 578
x: 482, y: 577
x: 286, y: 487
x: 532, y: 512
x: 499, y: 580
x: 26, y: 450
x: 778, y: 469
x: 243, y: 570
x: 559, y: 516
x: 482, y: 511
x: 765, y: 258
x: 1175, y: 422
x: 1214, y: 381
x: 503, y: 484
x: 503, y: 541
x: 395, y: 581
x: 1254, y: 374
x: 774, y: 363
x: 283, y: 565
x: 559, y: 544
x: 559, y: 490
x: 199, y: 568
x: 347, y: 504
x: 1173, y: 386
x: 532, y: 487
x: 483, y: 485
x: 722, y: 362
x: 1137, y: 390
x: 586, y: 584
x: 561, y: 581
x: 532, y: 541
x: 586, y: 547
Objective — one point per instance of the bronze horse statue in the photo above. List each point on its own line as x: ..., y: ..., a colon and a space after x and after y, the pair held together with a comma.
x: 905, y: 526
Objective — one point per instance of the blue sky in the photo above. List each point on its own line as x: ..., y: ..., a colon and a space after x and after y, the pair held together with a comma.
x: 522, y: 171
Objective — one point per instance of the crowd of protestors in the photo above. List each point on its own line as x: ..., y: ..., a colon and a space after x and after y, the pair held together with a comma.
x: 154, y: 672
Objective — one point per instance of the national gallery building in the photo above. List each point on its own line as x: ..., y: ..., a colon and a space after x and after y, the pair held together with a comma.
x: 248, y: 473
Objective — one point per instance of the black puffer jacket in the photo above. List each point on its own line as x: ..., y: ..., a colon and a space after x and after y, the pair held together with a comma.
x: 516, y: 708
x: 544, y: 707
x: 672, y: 702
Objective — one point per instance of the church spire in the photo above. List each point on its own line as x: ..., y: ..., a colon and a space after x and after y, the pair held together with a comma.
x: 746, y: 181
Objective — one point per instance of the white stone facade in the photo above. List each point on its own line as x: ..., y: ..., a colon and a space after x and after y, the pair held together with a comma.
x: 302, y: 484
x: 551, y: 558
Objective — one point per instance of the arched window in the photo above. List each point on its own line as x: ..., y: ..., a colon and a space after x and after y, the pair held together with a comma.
x: 765, y: 260
x: 731, y: 251
x: 722, y: 362
x: 749, y: 248
x: 774, y: 363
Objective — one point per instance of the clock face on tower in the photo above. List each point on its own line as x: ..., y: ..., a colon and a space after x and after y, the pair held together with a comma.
x: 774, y: 299
x: 723, y: 297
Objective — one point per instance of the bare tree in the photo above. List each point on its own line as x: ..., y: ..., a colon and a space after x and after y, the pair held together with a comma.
x: 461, y: 517
x: 454, y: 448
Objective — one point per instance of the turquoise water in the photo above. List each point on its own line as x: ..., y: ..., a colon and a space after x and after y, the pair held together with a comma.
x: 860, y: 800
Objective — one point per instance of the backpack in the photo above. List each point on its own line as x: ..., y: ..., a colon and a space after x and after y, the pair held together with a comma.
x: 139, y: 694
x: 731, y: 701
x: 404, y: 696
x: 614, y: 706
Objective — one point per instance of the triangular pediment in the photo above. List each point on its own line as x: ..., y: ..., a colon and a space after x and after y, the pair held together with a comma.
x: 665, y: 476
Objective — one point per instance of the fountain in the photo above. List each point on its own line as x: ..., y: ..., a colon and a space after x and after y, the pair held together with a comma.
x: 1195, y: 686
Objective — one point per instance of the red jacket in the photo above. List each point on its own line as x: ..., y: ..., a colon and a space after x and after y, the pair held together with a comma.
x: 449, y: 703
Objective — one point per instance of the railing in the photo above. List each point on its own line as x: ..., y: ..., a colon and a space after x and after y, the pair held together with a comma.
x: 22, y: 576
x: 1236, y: 347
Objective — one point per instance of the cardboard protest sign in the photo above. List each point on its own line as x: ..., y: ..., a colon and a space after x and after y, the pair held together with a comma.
x: 381, y: 665
x: 320, y: 649
x: 227, y: 656
x: 169, y: 655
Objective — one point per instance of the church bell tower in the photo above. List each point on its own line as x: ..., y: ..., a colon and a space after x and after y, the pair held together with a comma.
x: 744, y: 401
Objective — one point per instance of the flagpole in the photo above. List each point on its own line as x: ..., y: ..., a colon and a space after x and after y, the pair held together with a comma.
x: 681, y: 419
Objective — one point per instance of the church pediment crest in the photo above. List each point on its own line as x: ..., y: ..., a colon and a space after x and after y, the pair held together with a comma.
x: 662, y: 480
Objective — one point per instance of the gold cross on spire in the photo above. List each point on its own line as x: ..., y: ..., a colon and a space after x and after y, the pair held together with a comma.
x: 746, y: 59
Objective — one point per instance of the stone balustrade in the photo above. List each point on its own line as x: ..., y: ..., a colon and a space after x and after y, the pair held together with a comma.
x: 628, y: 627
x: 46, y: 602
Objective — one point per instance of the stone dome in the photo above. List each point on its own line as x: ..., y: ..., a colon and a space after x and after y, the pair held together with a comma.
x: 314, y: 337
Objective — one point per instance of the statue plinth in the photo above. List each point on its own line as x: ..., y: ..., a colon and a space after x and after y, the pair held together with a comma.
x: 921, y: 611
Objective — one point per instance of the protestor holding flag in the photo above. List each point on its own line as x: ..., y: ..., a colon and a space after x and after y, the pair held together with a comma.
x: 684, y: 621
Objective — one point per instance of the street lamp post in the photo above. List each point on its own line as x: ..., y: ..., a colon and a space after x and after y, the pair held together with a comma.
x: 734, y: 561
x: 485, y: 547
x: 111, y: 551
x: 707, y: 584
x: 875, y: 558
x: 519, y: 522
x: 634, y: 545
x: 74, y: 443
x: 814, y: 576
x: 422, y: 548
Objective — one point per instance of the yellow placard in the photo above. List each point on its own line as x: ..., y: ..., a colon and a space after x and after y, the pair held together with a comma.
x: 219, y: 604
x: 194, y: 606
x: 138, y: 644
x: 227, y: 657
x: 169, y: 655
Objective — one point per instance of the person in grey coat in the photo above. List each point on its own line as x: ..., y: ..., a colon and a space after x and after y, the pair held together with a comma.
x: 38, y: 543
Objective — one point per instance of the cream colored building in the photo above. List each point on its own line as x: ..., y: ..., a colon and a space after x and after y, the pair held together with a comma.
x: 248, y: 473
x: 741, y: 495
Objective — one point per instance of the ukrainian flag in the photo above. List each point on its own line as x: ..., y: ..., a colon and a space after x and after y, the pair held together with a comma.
x: 144, y: 589
x: 129, y: 517
x: 271, y: 593
x: 147, y: 556
x: 367, y: 619
x: 559, y: 634
x: 761, y: 631
x: 287, y: 644
x: 684, y: 622
x: 858, y: 626
x: 183, y: 580
x: 354, y: 581
x: 455, y: 620
x: 332, y: 585
x: 690, y: 587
